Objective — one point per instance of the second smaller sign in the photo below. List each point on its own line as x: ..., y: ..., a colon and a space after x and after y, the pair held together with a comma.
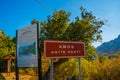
x: 64, y: 49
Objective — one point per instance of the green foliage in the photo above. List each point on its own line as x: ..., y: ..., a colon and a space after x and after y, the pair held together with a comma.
x: 91, y: 70
x: 29, y: 71
x: 118, y: 54
x: 1, y: 77
x: 7, y: 47
x: 34, y: 21
x: 103, y: 59
x: 66, y: 69
x: 86, y: 28
x: 91, y: 53
x: 55, y: 25
x: 1, y: 33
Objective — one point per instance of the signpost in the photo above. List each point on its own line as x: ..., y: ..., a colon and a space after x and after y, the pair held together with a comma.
x: 9, y: 58
x: 27, y: 47
x: 64, y: 49
x: 28, y: 53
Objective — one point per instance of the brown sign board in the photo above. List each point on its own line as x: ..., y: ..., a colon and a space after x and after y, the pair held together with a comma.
x: 63, y: 49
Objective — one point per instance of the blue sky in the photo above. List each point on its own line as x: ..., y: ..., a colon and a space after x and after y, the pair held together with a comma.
x: 16, y: 14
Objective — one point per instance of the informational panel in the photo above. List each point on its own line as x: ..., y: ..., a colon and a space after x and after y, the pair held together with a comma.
x: 63, y: 49
x: 27, y: 47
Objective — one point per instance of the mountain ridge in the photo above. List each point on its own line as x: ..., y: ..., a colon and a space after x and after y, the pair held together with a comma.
x: 109, y: 47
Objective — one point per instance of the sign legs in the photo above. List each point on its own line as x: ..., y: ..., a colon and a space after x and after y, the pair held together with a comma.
x: 79, y: 69
x: 51, y: 69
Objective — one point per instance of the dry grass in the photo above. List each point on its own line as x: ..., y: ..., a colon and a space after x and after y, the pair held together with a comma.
x: 45, y: 66
x: 21, y: 77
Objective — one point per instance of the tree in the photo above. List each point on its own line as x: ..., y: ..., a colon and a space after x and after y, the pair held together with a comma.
x: 1, y: 33
x: 91, y: 53
x: 34, y: 21
x: 103, y: 59
x: 86, y: 28
x: 7, y: 47
x: 55, y: 26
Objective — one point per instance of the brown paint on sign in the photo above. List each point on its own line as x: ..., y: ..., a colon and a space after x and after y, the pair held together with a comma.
x: 64, y: 49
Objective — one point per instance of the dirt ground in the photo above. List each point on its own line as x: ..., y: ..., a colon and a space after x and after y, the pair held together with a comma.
x: 21, y: 77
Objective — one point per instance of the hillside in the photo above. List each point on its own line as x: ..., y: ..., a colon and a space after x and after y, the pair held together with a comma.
x: 110, y: 47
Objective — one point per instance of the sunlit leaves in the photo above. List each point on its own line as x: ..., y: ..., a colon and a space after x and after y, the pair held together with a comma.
x: 91, y: 70
x: 67, y: 69
x: 56, y: 25
x: 7, y: 46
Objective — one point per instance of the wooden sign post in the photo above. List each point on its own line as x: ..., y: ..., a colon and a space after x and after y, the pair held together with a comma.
x: 9, y: 58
